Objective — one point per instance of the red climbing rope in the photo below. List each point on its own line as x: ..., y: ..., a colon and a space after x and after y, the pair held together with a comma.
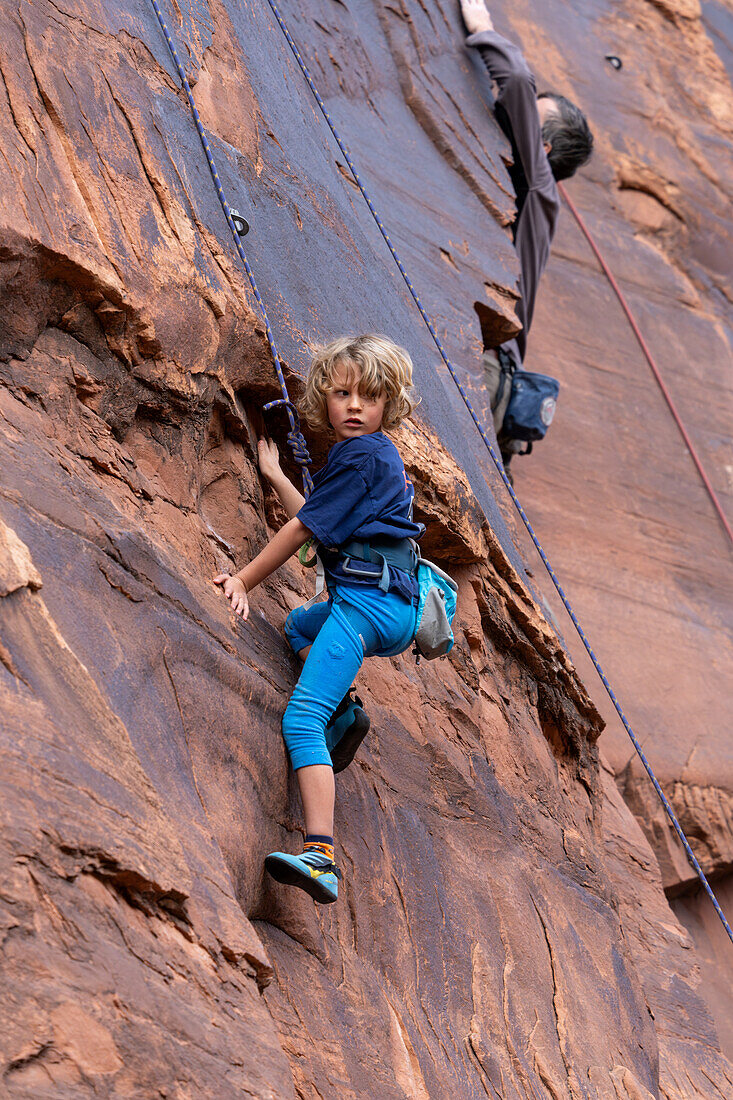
x: 649, y: 358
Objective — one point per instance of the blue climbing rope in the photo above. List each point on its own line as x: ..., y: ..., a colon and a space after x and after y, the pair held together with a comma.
x: 497, y: 462
x: 296, y: 439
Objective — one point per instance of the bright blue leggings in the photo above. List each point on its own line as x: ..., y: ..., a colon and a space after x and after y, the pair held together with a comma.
x: 341, y: 632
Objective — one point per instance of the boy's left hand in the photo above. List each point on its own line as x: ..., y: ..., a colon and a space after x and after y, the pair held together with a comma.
x: 235, y: 592
x: 268, y: 458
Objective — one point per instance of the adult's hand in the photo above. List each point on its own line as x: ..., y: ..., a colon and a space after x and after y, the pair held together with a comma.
x: 476, y: 16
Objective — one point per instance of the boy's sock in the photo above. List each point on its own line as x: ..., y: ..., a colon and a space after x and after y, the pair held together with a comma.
x: 322, y: 844
x: 313, y: 870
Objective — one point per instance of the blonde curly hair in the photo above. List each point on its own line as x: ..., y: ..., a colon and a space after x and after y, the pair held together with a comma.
x: 383, y: 368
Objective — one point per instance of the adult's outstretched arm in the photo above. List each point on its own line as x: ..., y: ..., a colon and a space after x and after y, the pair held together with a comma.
x: 516, y: 91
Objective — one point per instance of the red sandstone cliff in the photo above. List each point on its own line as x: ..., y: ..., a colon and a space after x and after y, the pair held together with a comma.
x: 504, y: 929
x: 622, y: 511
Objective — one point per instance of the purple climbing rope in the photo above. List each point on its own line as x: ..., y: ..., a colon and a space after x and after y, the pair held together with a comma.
x: 296, y: 439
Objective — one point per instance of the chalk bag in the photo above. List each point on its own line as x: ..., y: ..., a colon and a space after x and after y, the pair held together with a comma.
x: 531, y: 406
x: 436, y: 607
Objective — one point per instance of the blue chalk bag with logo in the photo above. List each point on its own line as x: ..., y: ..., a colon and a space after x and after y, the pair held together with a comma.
x: 532, y: 402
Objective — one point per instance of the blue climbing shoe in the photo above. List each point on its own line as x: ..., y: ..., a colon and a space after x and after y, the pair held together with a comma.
x: 311, y: 871
x: 346, y: 731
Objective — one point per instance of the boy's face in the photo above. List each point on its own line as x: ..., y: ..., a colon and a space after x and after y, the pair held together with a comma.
x: 351, y: 413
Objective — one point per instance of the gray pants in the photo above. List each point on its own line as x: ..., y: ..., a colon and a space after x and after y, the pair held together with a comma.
x: 492, y: 381
x: 492, y: 378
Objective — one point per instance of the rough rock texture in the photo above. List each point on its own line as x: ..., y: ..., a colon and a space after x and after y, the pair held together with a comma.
x: 503, y: 929
x: 621, y: 509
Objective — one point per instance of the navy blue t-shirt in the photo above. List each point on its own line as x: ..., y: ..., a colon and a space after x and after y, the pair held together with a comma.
x: 363, y: 492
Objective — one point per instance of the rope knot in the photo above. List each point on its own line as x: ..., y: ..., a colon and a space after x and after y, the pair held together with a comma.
x: 299, y: 447
x: 296, y: 439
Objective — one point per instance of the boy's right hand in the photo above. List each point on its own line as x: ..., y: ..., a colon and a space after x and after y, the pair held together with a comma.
x: 235, y: 592
x: 268, y: 458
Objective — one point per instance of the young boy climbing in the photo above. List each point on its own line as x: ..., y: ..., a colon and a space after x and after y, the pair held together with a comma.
x: 360, y: 513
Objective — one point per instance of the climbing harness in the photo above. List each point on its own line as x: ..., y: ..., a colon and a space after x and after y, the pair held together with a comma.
x: 649, y: 358
x: 370, y: 561
x: 304, y: 460
x: 296, y: 439
x: 372, y: 558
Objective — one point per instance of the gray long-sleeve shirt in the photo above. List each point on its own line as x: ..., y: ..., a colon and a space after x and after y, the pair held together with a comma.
x: 538, y: 202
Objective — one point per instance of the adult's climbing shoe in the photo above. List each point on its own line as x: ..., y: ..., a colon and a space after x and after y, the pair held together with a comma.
x: 310, y: 871
x: 346, y: 731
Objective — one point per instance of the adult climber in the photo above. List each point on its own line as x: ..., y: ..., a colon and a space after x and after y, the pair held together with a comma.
x: 550, y: 140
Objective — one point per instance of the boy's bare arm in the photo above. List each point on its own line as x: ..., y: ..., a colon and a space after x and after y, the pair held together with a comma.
x: 281, y: 547
x: 269, y: 462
